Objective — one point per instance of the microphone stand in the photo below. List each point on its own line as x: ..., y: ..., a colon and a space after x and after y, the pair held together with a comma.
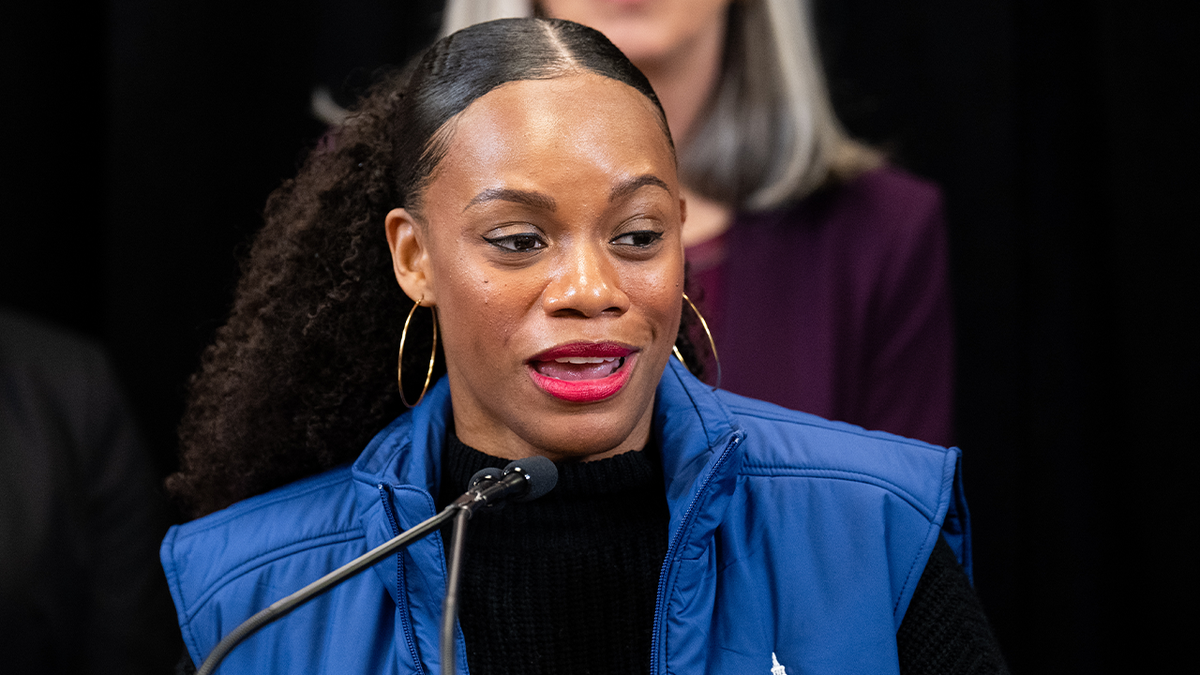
x: 450, y: 602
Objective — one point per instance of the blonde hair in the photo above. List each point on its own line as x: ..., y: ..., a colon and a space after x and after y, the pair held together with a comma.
x: 769, y: 134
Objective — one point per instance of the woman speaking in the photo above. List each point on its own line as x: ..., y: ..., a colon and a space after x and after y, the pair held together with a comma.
x: 508, y: 211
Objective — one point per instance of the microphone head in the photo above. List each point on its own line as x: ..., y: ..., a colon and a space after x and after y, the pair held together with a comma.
x: 540, y: 475
x: 490, y: 475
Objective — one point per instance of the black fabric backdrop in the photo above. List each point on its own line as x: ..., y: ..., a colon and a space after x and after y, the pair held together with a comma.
x: 141, y: 139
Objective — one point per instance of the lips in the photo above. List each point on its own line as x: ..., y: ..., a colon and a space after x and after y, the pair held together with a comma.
x: 583, y: 372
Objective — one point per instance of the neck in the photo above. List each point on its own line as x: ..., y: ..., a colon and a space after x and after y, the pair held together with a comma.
x: 685, y: 78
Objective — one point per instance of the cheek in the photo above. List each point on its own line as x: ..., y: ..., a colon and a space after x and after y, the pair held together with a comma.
x: 488, y: 308
x: 659, y: 292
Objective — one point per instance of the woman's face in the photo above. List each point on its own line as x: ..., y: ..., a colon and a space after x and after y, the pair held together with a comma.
x: 549, y: 241
x: 648, y: 31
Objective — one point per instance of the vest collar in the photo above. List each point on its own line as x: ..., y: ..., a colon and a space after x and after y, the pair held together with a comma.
x: 694, y: 430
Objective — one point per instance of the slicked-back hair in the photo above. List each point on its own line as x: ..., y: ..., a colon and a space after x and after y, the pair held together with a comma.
x: 463, y: 66
x: 303, y: 373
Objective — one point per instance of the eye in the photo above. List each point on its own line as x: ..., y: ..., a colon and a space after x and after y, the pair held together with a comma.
x: 639, y: 239
x: 518, y: 243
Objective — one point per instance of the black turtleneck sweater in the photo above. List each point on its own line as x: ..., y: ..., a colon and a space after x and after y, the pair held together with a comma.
x: 566, y: 584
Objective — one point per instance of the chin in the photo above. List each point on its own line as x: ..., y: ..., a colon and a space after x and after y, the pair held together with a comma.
x: 582, y: 436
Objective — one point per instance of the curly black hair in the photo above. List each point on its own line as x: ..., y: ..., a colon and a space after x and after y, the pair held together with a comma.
x: 303, y: 373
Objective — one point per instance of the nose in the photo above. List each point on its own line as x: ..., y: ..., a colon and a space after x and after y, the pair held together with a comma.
x: 586, y: 284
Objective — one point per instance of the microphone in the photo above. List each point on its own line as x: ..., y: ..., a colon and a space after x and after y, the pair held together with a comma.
x: 521, y: 481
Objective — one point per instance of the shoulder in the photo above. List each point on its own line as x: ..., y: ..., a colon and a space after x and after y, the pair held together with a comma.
x: 37, y: 348
x: 786, y: 443
x: 229, y: 565
x: 206, y: 555
x: 884, y: 199
x: 889, y: 226
x: 63, y: 393
x: 796, y: 429
x: 894, y: 185
x: 883, y: 213
x: 887, y: 203
x: 887, y: 197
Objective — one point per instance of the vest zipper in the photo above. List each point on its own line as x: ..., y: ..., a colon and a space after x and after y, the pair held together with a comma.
x: 401, y: 585
x: 661, y: 606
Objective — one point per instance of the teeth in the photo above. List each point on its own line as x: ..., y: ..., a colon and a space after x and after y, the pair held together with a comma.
x: 580, y: 360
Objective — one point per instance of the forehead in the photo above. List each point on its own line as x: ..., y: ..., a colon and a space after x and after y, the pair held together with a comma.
x: 572, y: 122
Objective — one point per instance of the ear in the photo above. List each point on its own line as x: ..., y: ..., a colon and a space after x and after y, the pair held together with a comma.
x: 410, y: 256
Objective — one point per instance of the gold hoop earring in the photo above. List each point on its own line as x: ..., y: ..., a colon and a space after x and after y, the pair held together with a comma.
x: 400, y: 357
x: 711, y: 343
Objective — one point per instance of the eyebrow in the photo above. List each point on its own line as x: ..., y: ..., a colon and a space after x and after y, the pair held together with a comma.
x: 526, y: 197
x: 628, y: 187
x: 545, y: 202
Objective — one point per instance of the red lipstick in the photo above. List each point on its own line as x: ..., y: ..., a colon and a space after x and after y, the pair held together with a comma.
x: 583, y: 372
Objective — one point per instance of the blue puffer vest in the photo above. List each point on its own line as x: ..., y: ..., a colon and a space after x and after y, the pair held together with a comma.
x: 795, y: 544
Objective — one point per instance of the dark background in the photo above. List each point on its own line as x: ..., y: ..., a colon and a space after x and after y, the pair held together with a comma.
x: 142, y: 137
